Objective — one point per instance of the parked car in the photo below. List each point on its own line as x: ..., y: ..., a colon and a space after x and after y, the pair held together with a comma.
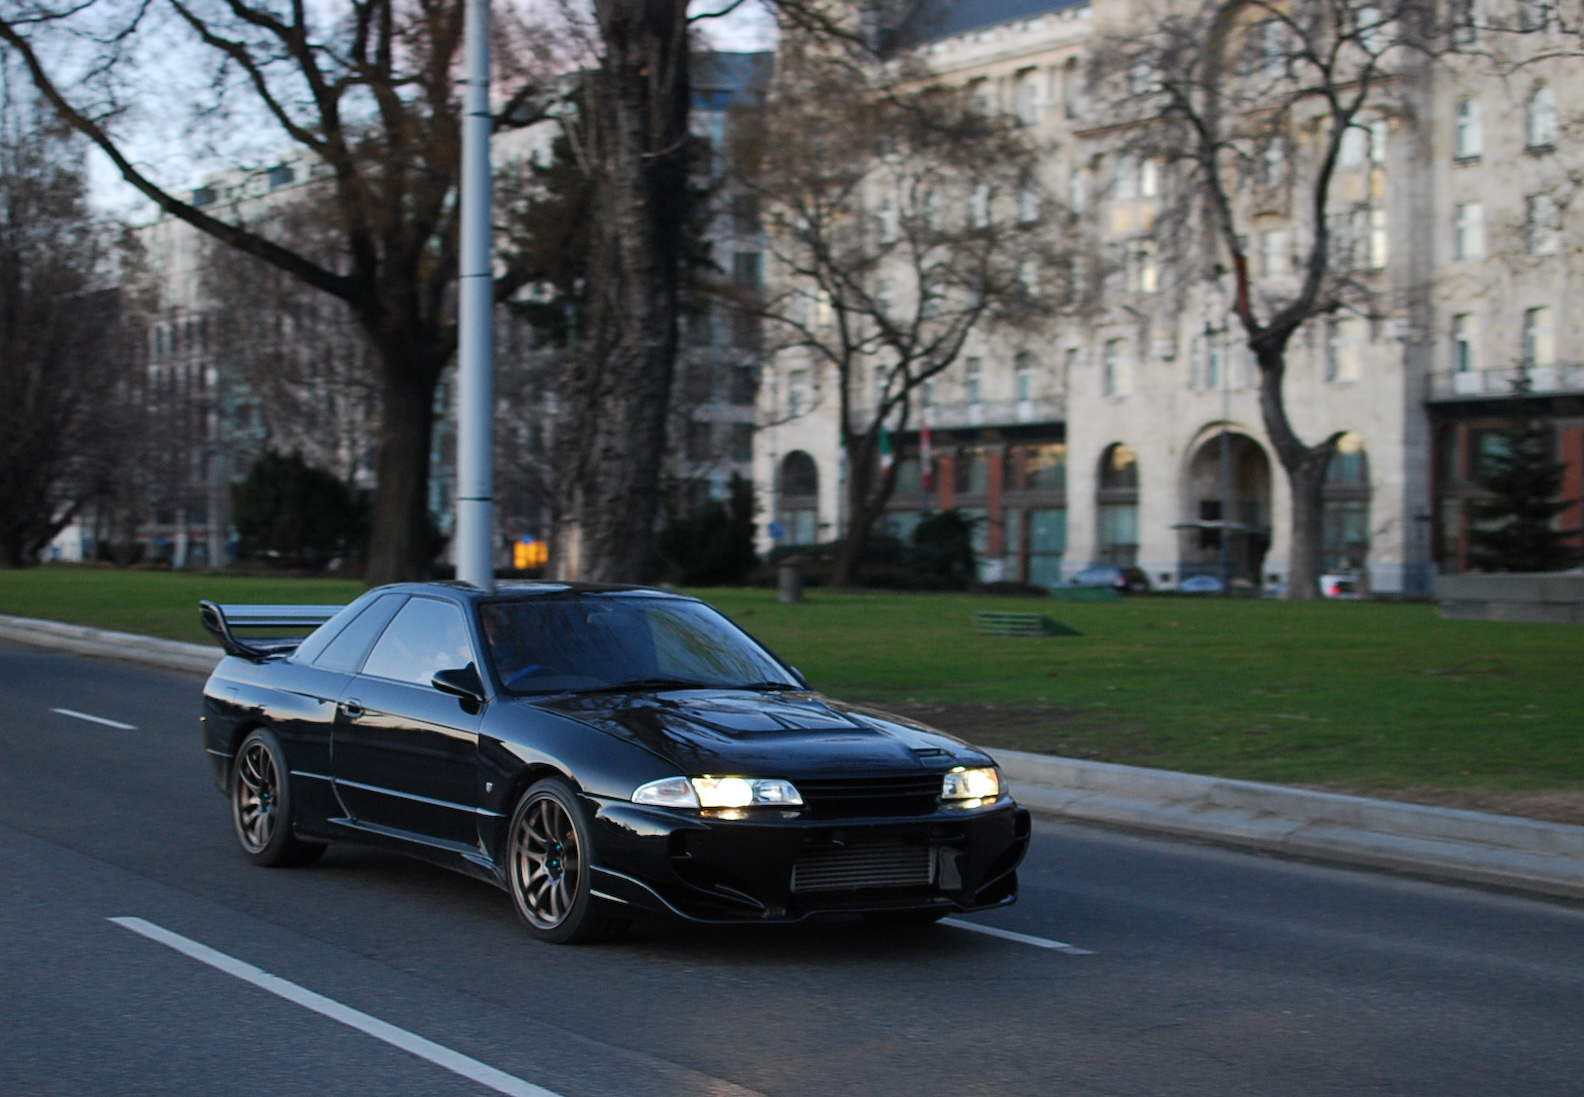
x: 600, y: 753
x: 1201, y: 584
x: 1124, y: 580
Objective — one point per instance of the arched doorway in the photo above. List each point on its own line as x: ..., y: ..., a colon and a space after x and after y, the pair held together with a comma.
x: 1344, y: 522
x: 1116, y: 503
x: 1229, y: 511
x: 799, y: 496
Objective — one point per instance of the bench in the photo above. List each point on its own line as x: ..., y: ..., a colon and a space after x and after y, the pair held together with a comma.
x: 995, y: 623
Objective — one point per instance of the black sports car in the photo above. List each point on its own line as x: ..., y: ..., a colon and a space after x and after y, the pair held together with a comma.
x: 600, y: 752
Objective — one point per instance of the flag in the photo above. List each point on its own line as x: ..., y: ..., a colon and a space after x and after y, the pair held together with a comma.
x: 926, y: 465
x: 885, y: 450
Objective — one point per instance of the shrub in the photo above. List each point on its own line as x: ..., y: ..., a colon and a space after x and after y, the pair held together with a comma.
x: 291, y: 515
x: 712, y: 545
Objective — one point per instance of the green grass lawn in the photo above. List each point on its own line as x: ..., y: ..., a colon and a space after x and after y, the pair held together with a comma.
x: 1368, y: 695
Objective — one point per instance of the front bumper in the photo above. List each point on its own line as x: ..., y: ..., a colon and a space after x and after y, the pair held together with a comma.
x: 781, y: 866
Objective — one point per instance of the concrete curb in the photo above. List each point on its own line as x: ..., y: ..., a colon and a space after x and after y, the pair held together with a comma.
x: 123, y: 647
x: 1444, y: 843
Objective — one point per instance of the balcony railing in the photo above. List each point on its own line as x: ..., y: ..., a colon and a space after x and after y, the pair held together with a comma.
x: 1484, y: 384
x: 996, y: 413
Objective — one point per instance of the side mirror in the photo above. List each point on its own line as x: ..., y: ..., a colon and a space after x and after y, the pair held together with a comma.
x: 463, y: 684
x: 798, y: 674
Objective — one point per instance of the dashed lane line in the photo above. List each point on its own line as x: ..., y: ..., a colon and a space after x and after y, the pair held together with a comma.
x: 454, y: 1061
x: 75, y: 715
x: 1020, y: 938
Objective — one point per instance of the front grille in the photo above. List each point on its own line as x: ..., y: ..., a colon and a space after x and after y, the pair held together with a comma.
x: 849, y: 868
x: 860, y: 797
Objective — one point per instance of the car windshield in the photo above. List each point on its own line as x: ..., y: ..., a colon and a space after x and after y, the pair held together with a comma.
x: 601, y: 642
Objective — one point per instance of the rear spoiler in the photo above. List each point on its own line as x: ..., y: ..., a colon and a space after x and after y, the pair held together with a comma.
x: 222, y: 620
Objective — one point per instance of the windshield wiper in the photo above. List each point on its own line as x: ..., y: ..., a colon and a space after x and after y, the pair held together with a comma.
x: 651, y: 683
x: 769, y: 685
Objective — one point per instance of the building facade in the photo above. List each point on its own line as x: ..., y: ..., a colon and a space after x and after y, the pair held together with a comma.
x: 1130, y: 432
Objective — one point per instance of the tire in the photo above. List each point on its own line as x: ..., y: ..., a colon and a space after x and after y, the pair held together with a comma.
x: 903, y: 918
x: 261, y: 805
x: 549, y: 853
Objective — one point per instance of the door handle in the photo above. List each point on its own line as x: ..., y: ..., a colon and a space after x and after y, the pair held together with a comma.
x: 352, y: 709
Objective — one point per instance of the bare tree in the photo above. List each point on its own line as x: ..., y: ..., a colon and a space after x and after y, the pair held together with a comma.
x: 1245, y: 99
x: 900, y: 219
x: 368, y: 89
x: 59, y: 346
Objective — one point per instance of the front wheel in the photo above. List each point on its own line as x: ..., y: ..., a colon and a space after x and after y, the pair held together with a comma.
x: 261, y: 805
x: 549, y: 857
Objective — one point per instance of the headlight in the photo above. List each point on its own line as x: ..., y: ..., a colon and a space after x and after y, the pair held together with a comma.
x: 740, y: 792
x: 983, y: 783
x: 717, y: 792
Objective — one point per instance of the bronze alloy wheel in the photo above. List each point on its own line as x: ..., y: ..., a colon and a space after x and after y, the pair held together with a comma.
x: 261, y: 805
x: 548, y: 860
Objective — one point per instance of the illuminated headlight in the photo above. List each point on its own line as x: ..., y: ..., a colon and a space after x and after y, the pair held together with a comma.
x: 983, y: 783
x: 718, y: 792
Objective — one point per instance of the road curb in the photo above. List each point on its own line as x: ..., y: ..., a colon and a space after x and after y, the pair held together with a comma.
x: 123, y: 647
x: 1444, y: 843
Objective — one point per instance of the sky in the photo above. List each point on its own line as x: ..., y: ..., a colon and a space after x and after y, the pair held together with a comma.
x: 163, y: 149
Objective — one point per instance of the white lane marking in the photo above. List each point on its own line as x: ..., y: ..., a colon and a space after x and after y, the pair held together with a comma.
x: 1020, y: 938
x: 412, y: 1043
x: 75, y: 715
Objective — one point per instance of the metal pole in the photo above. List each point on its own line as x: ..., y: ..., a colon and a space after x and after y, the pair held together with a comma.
x: 475, y: 502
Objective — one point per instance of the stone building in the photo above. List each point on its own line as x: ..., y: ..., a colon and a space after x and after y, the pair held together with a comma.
x: 1131, y: 432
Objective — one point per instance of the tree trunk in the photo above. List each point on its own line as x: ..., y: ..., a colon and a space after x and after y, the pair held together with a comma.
x: 1305, y: 467
x: 637, y: 132
x: 399, y: 547
x: 868, y: 492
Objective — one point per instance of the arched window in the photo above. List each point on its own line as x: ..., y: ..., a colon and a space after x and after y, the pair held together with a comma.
x: 799, y: 499
x: 1345, y: 525
x: 1542, y: 118
x: 1117, y: 506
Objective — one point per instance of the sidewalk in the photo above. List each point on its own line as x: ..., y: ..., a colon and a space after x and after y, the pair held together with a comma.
x: 1443, y: 843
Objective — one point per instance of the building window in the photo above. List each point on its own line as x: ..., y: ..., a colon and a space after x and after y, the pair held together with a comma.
x: 1118, y: 506
x: 1355, y: 143
x: 975, y: 376
x: 1465, y: 342
x: 1114, y: 380
x: 1542, y: 118
x: 1047, y: 542
x: 1470, y: 131
x: 1378, y: 132
x: 1078, y: 189
x: 1024, y: 376
x: 1342, y: 350
x: 1539, y: 338
x: 888, y: 221
x: 1028, y: 205
x: 1344, y: 521
x: 1465, y: 22
x: 1027, y: 97
x: 1378, y: 241
x: 1275, y: 255
x: 797, y: 392
x: 972, y: 472
x: 1273, y: 163
x: 1143, y: 271
x: 1544, y: 225
x: 800, y: 499
x: 979, y: 207
x: 1040, y: 467
x: 1468, y: 231
x: 1534, y: 16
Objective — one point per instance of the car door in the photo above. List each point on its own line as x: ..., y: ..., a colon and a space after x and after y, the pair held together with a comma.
x: 405, y: 755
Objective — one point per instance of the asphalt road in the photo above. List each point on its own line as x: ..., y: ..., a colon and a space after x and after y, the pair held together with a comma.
x: 1210, y: 971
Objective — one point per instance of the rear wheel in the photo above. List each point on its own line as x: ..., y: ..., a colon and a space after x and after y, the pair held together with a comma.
x: 261, y: 805
x: 549, y: 857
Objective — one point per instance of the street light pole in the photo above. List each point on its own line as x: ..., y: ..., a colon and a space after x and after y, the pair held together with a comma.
x: 475, y: 500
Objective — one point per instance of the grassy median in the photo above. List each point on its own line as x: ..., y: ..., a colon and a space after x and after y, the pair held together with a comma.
x: 1366, y: 695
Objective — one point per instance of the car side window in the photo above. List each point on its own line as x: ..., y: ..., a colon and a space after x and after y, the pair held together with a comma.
x: 346, y: 651
x: 427, y: 636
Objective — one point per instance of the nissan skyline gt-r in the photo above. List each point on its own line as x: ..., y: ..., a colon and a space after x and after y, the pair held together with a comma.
x: 601, y: 753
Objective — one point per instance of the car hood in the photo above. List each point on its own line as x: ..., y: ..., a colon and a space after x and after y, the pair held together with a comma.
x: 791, y: 734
